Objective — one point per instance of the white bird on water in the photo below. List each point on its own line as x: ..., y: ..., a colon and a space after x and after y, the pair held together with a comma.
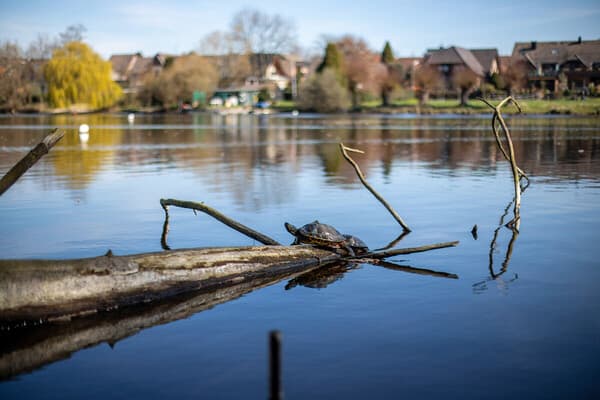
x: 84, y: 134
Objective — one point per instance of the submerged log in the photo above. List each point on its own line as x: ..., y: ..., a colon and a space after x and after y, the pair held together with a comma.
x: 34, y: 290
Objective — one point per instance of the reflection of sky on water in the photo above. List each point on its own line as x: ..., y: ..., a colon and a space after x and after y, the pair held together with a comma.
x: 385, y: 331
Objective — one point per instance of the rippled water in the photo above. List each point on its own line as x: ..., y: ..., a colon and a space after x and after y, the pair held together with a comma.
x: 521, y: 322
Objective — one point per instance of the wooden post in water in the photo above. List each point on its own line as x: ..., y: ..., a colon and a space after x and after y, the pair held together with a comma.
x: 275, y: 387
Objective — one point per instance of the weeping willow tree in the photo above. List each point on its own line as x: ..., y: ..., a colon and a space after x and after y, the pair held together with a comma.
x: 77, y: 75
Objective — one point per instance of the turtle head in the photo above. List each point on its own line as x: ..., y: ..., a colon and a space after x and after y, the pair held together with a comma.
x: 290, y: 228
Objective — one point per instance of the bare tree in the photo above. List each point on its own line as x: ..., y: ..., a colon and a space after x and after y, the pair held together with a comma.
x: 73, y: 33
x: 218, y: 47
x: 216, y: 43
x: 13, y: 69
x: 253, y: 31
x: 465, y: 81
x: 426, y: 79
x: 515, y: 76
x: 41, y: 47
x: 362, y: 67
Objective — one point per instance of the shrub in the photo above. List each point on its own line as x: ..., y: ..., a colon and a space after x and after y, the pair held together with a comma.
x: 324, y: 93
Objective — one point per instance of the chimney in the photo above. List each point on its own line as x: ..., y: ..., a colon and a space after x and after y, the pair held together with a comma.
x: 579, y: 40
x: 533, y: 45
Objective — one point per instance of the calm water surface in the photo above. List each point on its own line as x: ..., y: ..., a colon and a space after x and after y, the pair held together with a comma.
x: 523, y: 323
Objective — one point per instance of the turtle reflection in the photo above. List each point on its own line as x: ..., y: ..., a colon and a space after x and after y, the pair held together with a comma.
x: 322, y: 277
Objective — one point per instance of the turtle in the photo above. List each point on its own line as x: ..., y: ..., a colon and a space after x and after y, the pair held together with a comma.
x: 324, y: 235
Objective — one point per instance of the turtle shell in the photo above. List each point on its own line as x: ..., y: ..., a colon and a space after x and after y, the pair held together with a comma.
x: 320, y: 234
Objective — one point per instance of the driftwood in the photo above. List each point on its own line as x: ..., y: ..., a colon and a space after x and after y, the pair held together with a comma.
x: 30, y: 159
x: 362, y: 178
x: 31, y: 290
x: 47, y: 290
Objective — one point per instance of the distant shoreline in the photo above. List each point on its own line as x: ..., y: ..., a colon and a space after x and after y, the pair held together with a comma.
x: 587, y: 107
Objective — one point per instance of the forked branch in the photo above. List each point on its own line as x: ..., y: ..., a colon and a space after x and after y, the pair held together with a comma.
x: 510, y: 155
x: 362, y: 178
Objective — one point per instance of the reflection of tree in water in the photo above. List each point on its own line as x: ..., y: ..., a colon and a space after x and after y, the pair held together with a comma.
x: 78, y: 162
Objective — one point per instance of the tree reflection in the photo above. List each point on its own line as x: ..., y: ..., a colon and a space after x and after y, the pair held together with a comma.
x: 245, y: 155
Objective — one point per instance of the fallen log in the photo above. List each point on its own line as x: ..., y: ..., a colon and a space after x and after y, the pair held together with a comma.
x: 37, y: 291
x: 25, y: 350
x: 46, y: 290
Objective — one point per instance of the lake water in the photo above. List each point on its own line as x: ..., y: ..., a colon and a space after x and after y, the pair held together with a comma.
x: 520, y: 323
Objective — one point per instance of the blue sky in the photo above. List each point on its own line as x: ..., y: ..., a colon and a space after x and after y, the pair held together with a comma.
x: 411, y: 26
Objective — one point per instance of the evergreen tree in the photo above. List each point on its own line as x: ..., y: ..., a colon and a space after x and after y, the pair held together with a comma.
x: 387, y: 56
x: 332, y: 60
x: 77, y: 75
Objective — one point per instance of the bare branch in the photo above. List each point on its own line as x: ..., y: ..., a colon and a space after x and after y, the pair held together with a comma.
x: 407, y: 250
x: 30, y: 159
x: 510, y: 156
x: 264, y: 239
x: 344, y: 150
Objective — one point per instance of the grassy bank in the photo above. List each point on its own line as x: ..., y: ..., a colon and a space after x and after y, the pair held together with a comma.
x: 589, y: 106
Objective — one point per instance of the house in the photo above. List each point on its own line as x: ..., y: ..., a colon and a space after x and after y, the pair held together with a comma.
x: 243, y: 77
x: 574, y: 64
x: 489, y: 59
x: 407, y: 66
x: 272, y: 69
x: 449, y: 61
x: 245, y: 95
x: 129, y: 70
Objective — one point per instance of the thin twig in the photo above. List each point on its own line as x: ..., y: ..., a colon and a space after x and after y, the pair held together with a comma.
x: 264, y: 239
x: 407, y: 250
x: 344, y: 150
x: 30, y: 159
